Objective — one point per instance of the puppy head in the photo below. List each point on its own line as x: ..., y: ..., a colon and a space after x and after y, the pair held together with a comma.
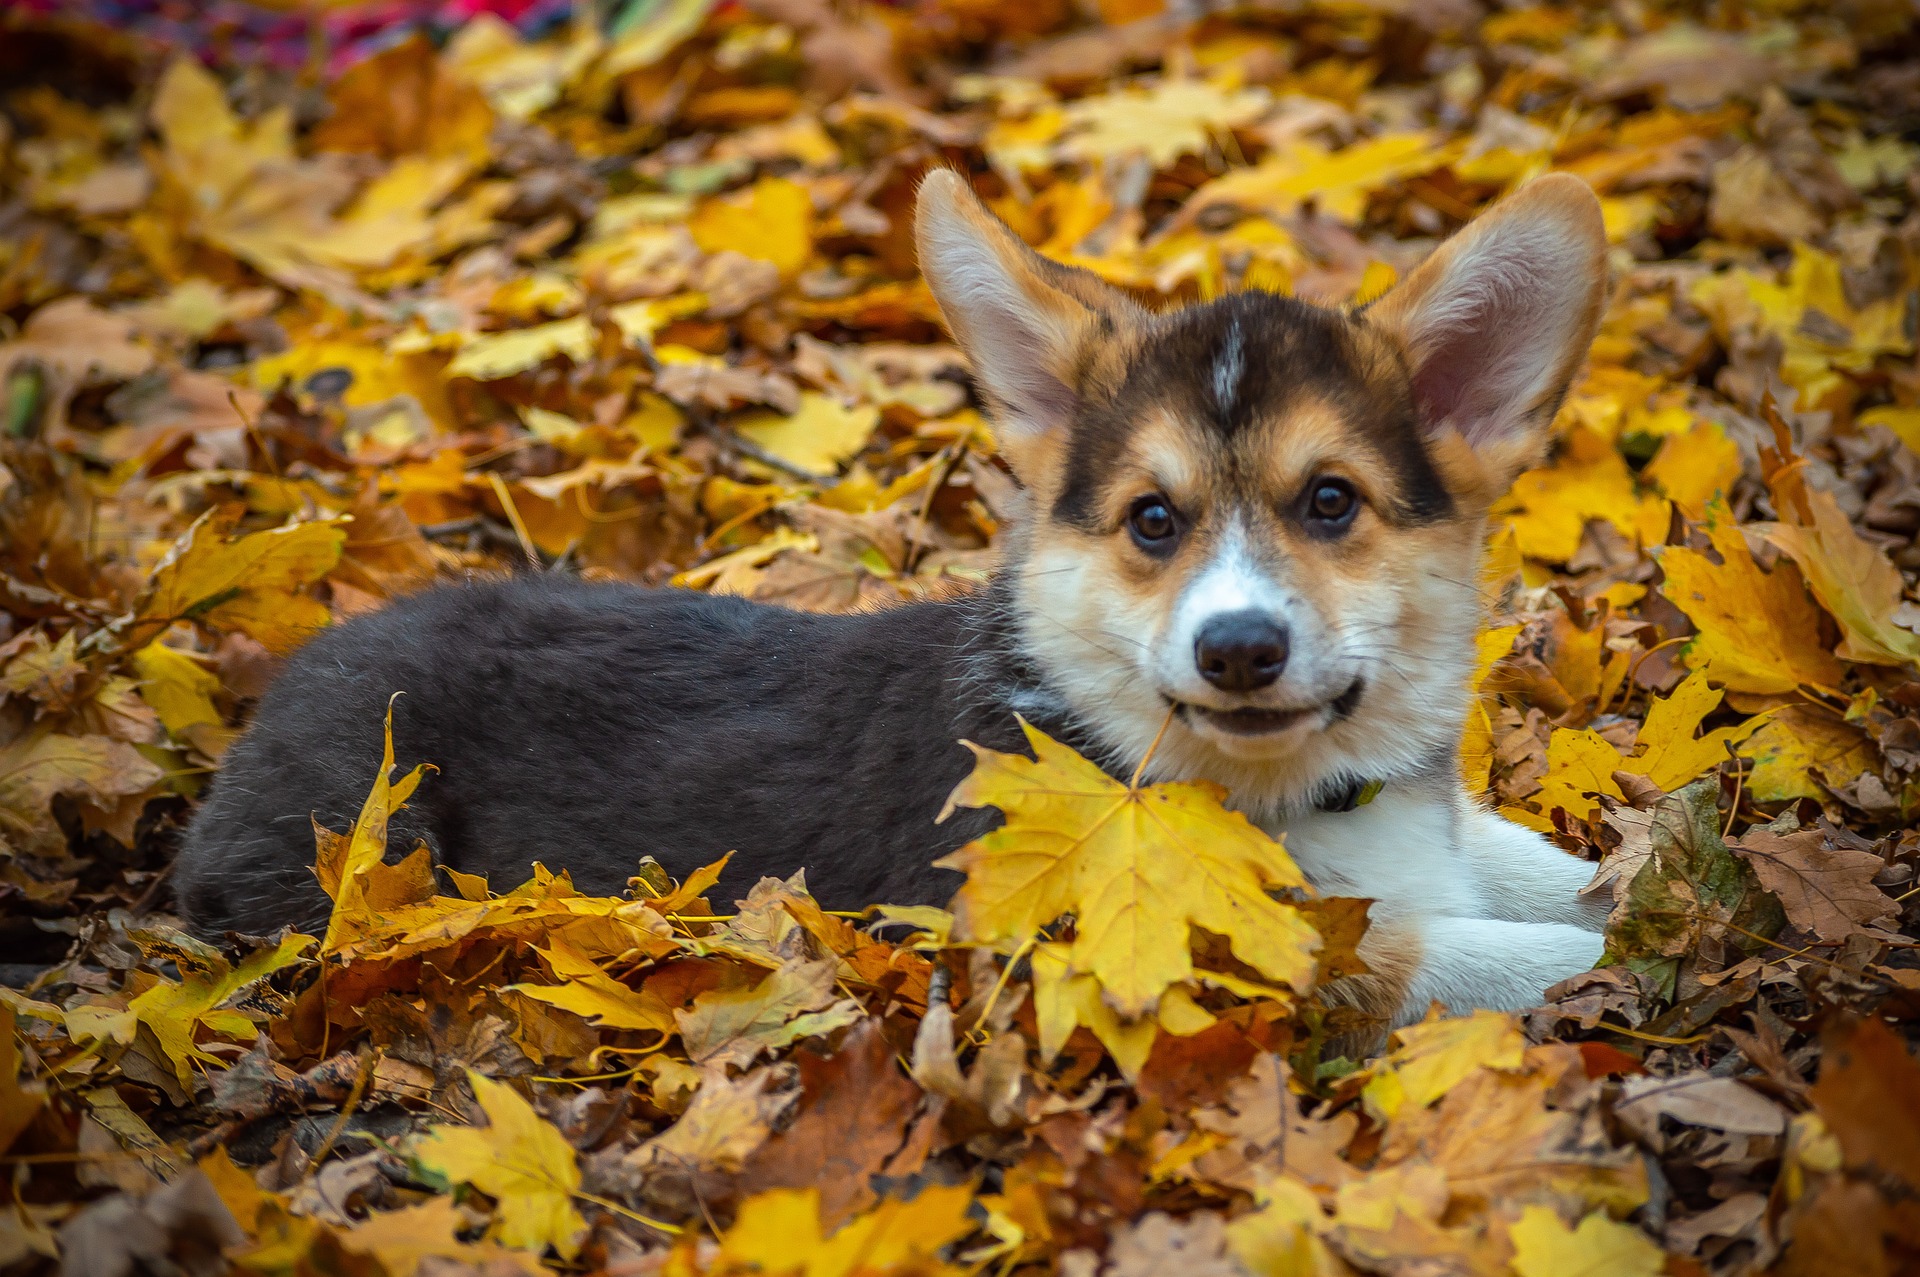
x: 1261, y: 516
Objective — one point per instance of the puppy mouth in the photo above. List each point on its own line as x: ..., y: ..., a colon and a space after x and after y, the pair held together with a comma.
x: 1252, y: 720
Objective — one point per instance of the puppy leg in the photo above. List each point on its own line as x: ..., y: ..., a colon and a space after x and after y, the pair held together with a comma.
x: 1470, y: 963
x: 1524, y: 878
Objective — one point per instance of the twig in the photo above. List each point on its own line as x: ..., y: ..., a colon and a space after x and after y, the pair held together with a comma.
x: 916, y: 535
x: 513, y: 517
x: 727, y: 437
x: 361, y: 1081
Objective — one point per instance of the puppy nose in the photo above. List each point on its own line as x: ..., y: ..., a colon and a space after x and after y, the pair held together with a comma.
x: 1240, y: 651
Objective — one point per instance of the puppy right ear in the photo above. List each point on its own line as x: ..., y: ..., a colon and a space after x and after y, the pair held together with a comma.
x: 1024, y: 322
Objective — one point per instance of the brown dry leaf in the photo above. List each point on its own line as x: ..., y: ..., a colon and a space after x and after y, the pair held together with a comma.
x: 1826, y: 890
x: 1866, y: 1094
x: 727, y: 1119
x: 852, y: 1117
x: 405, y: 101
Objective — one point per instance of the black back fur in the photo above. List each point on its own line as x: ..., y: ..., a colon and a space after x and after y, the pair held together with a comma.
x: 585, y: 726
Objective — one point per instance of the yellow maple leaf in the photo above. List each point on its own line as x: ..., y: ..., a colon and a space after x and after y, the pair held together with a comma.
x: 495, y: 355
x: 1580, y: 764
x: 520, y: 1160
x: 1904, y: 422
x: 404, y: 1239
x: 1280, y: 1237
x: 1800, y: 740
x: 1437, y: 1055
x: 180, y: 689
x: 1694, y: 468
x: 251, y: 583
x: 771, y: 222
x: 1600, y: 1247
x: 779, y: 1232
x: 1476, y: 746
x: 1821, y: 334
x: 1548, y: 508
x: 1064, y: 999
x: 177, y: 1011
x: 819, y: 438
x: 1759, y: 631
x: 1338, y: 182
x: 1853, y: 579
x: 1669, y: 754
x: 1136, y: 866
x: 1171, y: 119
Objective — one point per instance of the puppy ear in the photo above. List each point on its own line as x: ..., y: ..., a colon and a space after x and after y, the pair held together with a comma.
x: 1497, y: 320
x: 1024, y: 322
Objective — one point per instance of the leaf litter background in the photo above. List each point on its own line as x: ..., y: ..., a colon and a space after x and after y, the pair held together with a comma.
x: 636, y: 300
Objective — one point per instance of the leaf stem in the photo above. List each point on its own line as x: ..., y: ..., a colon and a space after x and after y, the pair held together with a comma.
x: 671, y: 1230
x: 1133, y: 782
x: 1000, y: 985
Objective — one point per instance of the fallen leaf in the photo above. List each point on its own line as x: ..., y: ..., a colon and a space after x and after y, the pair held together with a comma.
x: 1759, y: 631
x: 175, y: 1012
x: 819, y: 438
x: 404, y: 1239
x: 731, y: 1027
x: 251, y: 583
x: 1690, y: 887
x: 40, y: 765
x: 519, y: 1160
x: 1136, y: 867
x: 852, y: 1118
x: 589, y: 992
x: 1826, y: 890
x: 1543, y: 1246
x: 1438, y: 1054
x: 771, y: 222
x: 1853, y: 580
x: 496, y: 355
x: 781, y: 1232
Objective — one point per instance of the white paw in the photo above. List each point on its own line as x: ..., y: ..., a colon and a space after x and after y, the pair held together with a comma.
x: 1473, y: 963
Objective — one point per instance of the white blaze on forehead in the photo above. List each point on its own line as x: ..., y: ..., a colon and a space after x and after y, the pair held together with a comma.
x: 1228, y: 366
x: 1231, y: 581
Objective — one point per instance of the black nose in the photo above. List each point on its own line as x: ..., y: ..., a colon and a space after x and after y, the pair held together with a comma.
x: 1240, y: 651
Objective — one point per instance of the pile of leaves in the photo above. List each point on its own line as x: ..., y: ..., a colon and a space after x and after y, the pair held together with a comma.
x: 637, y: 301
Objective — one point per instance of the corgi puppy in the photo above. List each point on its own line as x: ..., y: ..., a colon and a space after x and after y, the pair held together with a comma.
x: 1254, y: 522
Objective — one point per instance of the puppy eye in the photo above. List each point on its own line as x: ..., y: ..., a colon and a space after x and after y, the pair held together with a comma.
x: 1331, y: 503
x: 1152, y: 523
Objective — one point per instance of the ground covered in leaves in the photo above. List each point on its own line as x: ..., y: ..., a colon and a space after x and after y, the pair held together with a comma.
x: 637, y: 301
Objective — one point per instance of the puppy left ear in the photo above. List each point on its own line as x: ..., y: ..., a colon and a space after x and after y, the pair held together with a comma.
x: 1497, y: 320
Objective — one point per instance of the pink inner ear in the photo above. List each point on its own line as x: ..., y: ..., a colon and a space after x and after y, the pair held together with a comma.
x: 1043, y: 398
x: 1451, y: 386
x: 1484, y: 366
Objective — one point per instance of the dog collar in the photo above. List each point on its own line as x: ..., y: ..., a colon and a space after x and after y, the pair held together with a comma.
x: 1355, y: 793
